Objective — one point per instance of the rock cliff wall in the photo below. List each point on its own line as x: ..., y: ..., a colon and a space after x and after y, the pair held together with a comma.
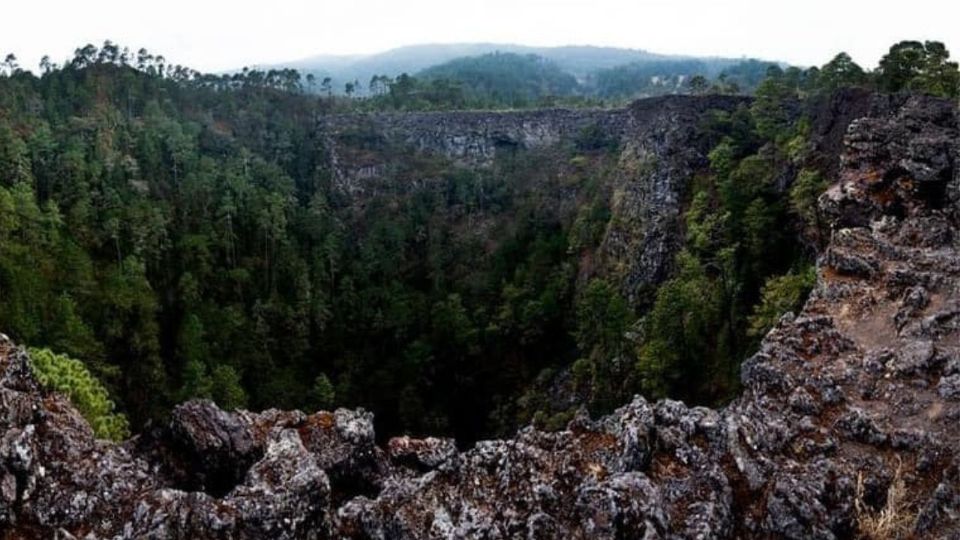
x: 659, y: 142
x: 851, y: 408
x: 473, y: 137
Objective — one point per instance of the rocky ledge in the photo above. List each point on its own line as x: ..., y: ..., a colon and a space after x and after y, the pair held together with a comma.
x: 848, y: 425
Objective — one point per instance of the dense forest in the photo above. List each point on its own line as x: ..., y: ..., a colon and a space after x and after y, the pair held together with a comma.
x: 505, y: 78
x: 679, y: 76
x: 166, y: 234
x: 508, y: 80
x: 584, y: 63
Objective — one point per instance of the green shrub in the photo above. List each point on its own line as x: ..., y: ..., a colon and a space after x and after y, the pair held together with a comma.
x: 227, y: 389
x: 780, y: 294
x: 804, y: 194
x: 72, y: 378
x: 323, y: 395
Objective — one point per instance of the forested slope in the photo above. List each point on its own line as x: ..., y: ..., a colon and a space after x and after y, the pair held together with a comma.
x: 185, y: 235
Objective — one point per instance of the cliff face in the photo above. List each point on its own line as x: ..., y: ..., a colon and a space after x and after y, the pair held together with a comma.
x: 660, y: 145
x: 475, y: 137
x: 848, y: 422
x: 663, y: 150
x: 472, y: 137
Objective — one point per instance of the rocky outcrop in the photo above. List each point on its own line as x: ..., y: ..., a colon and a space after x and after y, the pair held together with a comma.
x: 850, y: 411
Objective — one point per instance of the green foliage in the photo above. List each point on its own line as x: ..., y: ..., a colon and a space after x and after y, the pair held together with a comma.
x: 779, y: 295
x: 698, y: 84
x: 797, y: 147
x: 841, y: 72
x: 908, y: 66
x: 590, y: 224
x: 602, y: 319
x: 504, y: 78
x: 744, y: 75
x: 647, y: 78
x: 680, y: 330
x: 182, y: 234
x: 804, y: 192
x: 770, y: 107
x: 196, y: 382
x: 323, y: 394
x: 594, y: 138
x: 699, y: 327
x: 490, y: 81
x: 673, y: 76
x: 925, y: 67
x: 72, y: 378
x: 226, y: 388
x: 410, y: 93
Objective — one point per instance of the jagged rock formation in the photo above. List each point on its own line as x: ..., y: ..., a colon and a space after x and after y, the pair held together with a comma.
x: 850, y: 406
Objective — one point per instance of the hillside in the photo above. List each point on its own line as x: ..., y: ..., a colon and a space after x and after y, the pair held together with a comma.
x: 577, y: 60
x: 581, y: 62
x: 505, y: 78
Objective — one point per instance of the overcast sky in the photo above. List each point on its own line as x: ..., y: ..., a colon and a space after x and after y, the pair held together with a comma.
x: 213, y: 35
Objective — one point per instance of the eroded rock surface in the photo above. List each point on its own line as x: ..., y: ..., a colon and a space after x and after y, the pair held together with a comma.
x: 858, y: 392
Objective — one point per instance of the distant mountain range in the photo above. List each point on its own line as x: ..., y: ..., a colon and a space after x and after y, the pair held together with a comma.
x: 582, y: 62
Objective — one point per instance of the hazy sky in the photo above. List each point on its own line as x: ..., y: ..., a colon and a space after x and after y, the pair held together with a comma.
x: 212, y: 35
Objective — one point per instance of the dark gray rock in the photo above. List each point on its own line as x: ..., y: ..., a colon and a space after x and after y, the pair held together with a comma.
x: 217, y: 447
x: 949, y: 387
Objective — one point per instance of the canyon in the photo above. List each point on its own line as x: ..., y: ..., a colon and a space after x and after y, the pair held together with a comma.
x: 847, y: 423
x: 660, y: 147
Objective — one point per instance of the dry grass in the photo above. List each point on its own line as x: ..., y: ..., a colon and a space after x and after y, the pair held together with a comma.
x: 895, y: 520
